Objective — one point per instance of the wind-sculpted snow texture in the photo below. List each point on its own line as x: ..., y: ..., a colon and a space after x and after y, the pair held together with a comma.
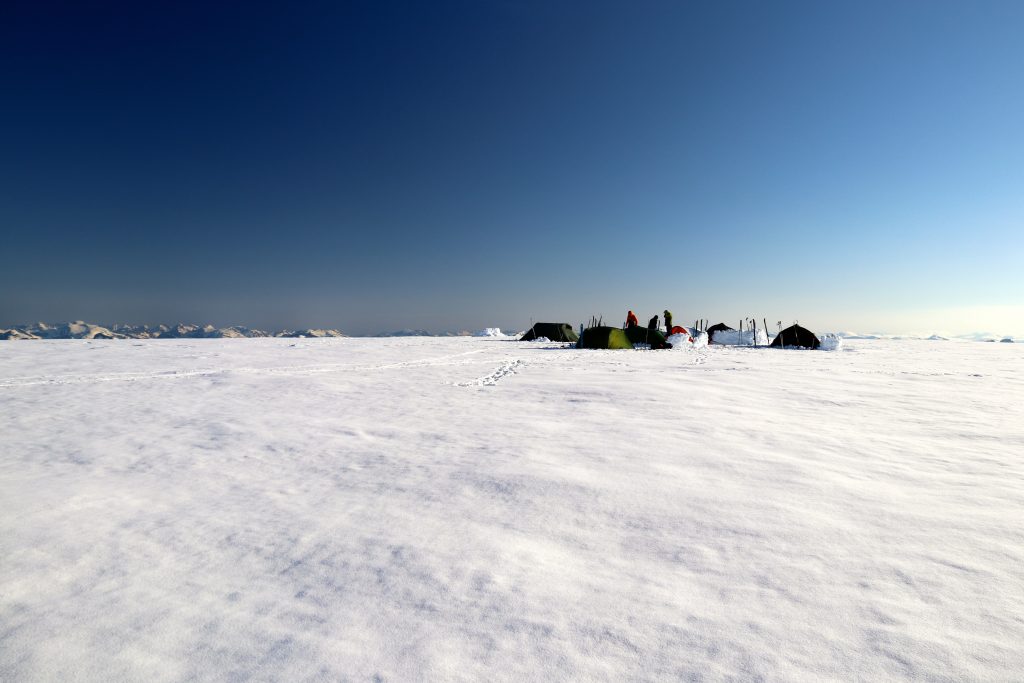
x: 481, y: 509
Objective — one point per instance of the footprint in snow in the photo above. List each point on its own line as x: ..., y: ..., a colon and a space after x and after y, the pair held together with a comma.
x: 506, y: 369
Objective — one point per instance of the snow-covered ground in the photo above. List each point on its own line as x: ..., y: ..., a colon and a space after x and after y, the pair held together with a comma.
x: 482, y: 509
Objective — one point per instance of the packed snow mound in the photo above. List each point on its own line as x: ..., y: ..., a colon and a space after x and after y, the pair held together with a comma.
x: 539, y: 339
x: 830, y: 342
x: 741, y: 338
x: 688, y: 342
x: 936, y: 337
x: 490, y: 332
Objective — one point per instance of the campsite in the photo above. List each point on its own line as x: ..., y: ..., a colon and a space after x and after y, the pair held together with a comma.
x: 634, y: 337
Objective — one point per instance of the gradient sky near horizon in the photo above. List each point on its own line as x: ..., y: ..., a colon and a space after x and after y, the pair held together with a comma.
x: 381, y: 165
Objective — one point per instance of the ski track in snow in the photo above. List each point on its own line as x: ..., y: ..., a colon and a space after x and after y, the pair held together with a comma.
x: 335, y: 510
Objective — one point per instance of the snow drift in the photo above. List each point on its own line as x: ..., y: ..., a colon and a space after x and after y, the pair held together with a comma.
x: 688, y: 341
x: 830, y: 342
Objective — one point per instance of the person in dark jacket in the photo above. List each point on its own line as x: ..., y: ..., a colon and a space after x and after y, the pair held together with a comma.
x: 652, y: 324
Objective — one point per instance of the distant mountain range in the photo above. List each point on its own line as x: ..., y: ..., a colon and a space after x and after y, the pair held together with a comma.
x: 83, y: 330
x: 975, y: 336
x: 422, y: 333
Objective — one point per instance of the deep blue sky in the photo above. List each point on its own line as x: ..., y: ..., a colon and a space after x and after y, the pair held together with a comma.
x: 378, y: 165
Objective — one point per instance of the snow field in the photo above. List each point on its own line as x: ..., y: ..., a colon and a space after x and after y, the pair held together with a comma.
x: 475, y: 508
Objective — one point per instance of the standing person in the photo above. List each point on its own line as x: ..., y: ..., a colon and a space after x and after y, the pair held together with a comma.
x: 631, y: 320
x: 668, y: 322
x: 652, y: 324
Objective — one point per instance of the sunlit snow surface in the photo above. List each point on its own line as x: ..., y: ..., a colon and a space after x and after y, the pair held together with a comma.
x: 482, y: 509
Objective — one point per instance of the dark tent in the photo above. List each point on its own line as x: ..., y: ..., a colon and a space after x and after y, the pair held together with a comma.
x: 560, y: 332
x: 644, y: 335
x: 720, y: 327
x: 604, y: 338
x: 796, y: 336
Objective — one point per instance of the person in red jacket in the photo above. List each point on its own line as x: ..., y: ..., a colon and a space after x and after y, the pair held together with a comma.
x: 631, y: 320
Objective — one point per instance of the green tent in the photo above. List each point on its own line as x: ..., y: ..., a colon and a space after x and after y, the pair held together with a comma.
x: 604, y: 338
x: 558, y: 332
x: 645, y: 335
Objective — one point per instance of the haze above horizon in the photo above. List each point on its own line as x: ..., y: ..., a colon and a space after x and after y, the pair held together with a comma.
x: 459, y: 165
